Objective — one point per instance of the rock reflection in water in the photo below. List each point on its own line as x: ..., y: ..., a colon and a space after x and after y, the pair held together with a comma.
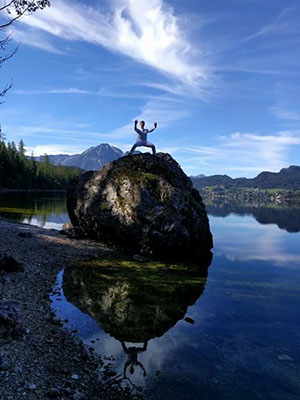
x: 134, y: 302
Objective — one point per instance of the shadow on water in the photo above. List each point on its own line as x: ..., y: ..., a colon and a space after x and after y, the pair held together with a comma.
x: 134, y: 302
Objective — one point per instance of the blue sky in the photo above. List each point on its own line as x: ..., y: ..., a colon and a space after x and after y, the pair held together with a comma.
x: 221, y: 78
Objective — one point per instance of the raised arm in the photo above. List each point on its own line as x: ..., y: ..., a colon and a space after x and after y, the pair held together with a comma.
x: 135, y: 126
x: 153, y: 129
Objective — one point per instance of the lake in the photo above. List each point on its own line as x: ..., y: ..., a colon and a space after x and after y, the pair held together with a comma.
x: 225, y: 331
x: 44, y: 209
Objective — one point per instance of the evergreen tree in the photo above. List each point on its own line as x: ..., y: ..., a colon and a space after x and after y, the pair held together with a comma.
x: 19, y: 172
x: 2, y: 134
x: 21, y: 149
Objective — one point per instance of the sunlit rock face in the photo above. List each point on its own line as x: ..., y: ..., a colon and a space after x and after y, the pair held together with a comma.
x: 143, y: 203
x: 134, y: 302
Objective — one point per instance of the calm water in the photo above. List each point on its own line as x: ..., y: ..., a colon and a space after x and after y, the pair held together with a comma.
x: 227, y: 332
x: 44, y: 209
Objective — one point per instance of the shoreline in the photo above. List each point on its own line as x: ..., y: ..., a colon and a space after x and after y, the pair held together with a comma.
x: 4, y: 190
x: 48, y: 361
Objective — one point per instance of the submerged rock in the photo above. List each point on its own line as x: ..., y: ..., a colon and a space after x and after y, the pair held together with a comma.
x: 143, y: 203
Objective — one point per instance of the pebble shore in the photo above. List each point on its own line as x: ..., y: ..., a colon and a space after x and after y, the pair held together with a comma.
x: 47, y: 361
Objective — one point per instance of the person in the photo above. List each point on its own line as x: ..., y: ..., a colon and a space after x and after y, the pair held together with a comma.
x: 141, y: 139
x: 132, y: 361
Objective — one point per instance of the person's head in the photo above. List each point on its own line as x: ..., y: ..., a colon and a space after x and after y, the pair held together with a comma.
x: 142, y: 124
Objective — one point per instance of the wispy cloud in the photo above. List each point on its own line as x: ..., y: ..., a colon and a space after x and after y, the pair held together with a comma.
x: 284, y: 23
x: 35, y: 39
x: 104, y: 92
x: 157, y: 39
x: 283, y: 113
x: 160, y: 109
x: 239, y: 154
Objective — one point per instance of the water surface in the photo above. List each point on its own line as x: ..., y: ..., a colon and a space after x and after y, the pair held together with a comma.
x: 43, y: 209
x: 229, y: 331
x: 225, y: 331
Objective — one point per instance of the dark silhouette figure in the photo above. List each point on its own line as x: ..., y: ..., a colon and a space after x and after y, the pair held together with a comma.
x: 132, y: 358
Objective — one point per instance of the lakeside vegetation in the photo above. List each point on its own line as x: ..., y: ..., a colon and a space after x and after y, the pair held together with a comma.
x: 20, y: 172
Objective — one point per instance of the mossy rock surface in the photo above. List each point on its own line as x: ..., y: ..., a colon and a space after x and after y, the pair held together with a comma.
x: 143, y: 203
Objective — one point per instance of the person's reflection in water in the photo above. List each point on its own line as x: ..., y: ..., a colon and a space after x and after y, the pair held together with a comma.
x: 132, y: 361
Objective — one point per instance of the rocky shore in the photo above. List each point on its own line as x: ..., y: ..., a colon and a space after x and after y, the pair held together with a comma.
x: 42, y: 360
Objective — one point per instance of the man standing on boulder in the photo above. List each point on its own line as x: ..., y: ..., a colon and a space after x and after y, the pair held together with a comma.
x: 141, y: 139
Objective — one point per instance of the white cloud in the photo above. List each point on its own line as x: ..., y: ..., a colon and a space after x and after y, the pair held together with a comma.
x: 154, y: 38
x: 240, y: 154
x: 52, y: 149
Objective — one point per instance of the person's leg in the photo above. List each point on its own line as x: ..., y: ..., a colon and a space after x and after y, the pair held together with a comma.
x: 136, y: 144
x: 133, y: 148
x: 149, y: 144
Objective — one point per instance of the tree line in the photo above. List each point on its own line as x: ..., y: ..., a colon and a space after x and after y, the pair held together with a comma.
x: 20, y: 172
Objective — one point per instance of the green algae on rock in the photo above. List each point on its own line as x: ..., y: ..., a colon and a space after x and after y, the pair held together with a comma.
x: 143, y: 203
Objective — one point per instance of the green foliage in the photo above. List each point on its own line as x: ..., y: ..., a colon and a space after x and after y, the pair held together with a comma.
x: 19, y: 172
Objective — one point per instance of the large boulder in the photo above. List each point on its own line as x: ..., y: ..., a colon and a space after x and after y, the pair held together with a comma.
x: 143, y: 203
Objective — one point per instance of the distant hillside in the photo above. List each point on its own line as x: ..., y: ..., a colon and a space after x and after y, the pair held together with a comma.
x: 55, y: 160
x: 197, y: 176
x: 287, y: 178
x: 91, y: 159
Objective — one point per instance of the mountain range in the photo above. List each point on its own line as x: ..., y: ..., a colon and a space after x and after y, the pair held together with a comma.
x: 91, y: 159
x: 286, y: 178
x: 95, y: 157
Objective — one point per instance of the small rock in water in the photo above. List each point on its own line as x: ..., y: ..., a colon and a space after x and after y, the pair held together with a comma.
x: 189, y: 320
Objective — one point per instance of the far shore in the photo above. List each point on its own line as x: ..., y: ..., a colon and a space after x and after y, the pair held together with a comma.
x: 5, y: 190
